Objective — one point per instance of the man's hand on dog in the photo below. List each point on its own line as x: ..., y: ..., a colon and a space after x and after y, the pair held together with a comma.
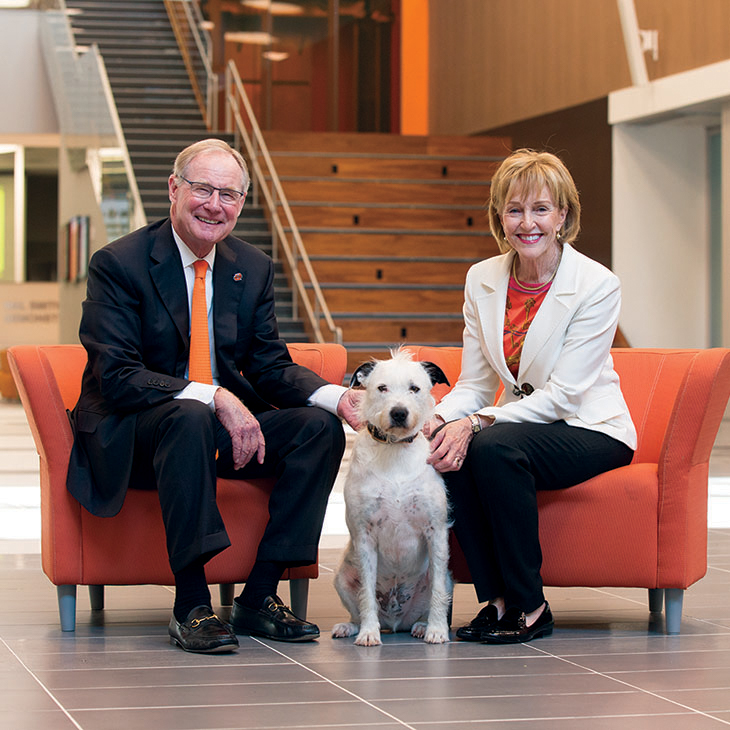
x: 244, y: 429
x: 348, y: 407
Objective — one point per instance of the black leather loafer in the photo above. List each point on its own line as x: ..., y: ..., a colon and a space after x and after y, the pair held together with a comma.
x: 202, y: 632
x: 512, y: 628
x: 273, y: 620
x: 482, y: 623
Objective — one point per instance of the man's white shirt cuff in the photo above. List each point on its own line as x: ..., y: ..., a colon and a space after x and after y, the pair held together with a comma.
x: 327, y: 397
x: 202, y: 392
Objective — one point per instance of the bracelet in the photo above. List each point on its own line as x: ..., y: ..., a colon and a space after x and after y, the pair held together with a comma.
x: 476, y: 424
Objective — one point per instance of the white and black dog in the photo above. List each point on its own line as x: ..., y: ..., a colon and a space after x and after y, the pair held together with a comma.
x: 394, y: 574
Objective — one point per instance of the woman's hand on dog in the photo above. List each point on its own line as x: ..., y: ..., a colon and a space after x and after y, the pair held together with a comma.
x: 449, y: 443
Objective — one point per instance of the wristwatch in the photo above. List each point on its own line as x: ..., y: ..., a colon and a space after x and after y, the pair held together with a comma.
x: 476, y: 424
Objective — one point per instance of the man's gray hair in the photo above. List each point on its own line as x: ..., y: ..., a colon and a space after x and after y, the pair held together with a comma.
x: 208, y: 145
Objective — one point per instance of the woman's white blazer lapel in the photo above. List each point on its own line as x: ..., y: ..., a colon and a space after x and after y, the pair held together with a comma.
x: 490, y: 302
x: 557, y: 305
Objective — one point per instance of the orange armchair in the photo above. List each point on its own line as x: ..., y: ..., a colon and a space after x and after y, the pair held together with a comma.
x: 78, y: 548
x: 643, y: 525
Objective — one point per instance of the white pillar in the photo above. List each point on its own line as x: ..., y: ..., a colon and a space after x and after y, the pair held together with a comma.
x: 725, y: 162
x: 19, y: 216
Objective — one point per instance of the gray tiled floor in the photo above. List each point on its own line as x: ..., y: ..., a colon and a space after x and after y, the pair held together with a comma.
x: 607, y: 665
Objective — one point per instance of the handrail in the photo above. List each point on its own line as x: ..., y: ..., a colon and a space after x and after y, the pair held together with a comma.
x: 295, y: 252
x: 190, y: 22
x: 138, y: 218
x: 187, y: 22
x: 83, y: 98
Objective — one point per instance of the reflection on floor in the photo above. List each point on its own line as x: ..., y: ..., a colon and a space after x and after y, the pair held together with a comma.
x: 607, y: 665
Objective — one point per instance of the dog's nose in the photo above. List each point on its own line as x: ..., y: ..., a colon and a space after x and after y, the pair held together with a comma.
x: 398, y: 416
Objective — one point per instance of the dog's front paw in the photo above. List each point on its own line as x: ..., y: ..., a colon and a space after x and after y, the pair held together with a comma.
x: 343, y: 630
x: 368, y: 637
x: 435, y: 634
x: 418, y: 630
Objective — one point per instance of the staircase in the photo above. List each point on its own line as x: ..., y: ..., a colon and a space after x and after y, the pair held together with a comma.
x: 391, y: 224
x: 159, y: 113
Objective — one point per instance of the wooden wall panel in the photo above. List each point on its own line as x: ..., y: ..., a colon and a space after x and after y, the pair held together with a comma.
x: 692, y: 33
x: 494, y: 63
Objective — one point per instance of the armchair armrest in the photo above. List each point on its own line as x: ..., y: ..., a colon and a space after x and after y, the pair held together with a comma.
x: 683, y: 467
x: 327, y: 359
x: 48, y: 379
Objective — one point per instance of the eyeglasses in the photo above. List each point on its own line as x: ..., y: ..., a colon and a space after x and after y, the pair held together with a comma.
x: 203, y: 191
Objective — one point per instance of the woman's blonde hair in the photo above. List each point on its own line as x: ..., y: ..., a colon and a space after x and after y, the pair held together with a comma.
x: 527, y: 171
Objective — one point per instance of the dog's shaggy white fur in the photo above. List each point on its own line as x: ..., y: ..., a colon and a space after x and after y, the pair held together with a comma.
x: 394, y: 574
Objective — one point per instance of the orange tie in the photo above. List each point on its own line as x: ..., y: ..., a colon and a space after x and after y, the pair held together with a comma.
x: 199, y: 366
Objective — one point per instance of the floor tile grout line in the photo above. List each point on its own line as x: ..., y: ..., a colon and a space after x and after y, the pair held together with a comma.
x: 632, y: 686
x: 339, y: 686
x: 200, y: 706
x: 721, y: 570
x: 532, y: 720
x: 613, y: 594
x: 710, y: 622
x: 50, y: 694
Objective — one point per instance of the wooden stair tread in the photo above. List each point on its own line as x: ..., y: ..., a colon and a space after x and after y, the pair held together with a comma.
x: 375, y: 142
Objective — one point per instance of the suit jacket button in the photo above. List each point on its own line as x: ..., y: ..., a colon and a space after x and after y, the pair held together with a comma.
x: 527, y: 389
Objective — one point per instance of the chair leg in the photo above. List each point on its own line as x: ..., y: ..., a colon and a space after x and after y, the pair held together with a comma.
x: 299, y: 595
x: 656, y: 600
x: 96, y: 598
x: 226, y: 593
x: 67, y: 606
x: 673, y: 598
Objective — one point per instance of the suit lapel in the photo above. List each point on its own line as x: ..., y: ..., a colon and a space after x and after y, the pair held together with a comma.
x: 167, y: 275
x: 229, y: 279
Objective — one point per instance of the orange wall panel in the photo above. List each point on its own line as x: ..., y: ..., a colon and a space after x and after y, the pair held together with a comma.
x: 414, y: 67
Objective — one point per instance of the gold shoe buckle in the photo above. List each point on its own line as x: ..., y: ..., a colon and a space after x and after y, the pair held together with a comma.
x: 197, y: 621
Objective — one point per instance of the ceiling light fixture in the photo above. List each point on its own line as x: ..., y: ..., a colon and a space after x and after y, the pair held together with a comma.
x: 255, y: 37
x: 274, y: 6
x: 275, y: 55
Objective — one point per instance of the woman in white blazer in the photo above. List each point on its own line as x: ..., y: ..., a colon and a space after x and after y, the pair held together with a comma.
x: 540, y: 320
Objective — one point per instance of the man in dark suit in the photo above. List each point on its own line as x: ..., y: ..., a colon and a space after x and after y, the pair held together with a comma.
x: 141, y: 419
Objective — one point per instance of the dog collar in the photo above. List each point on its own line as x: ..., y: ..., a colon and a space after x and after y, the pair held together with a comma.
x: 378, y: 435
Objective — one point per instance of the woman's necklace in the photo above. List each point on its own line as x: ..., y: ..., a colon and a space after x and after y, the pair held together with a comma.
x: 534, y: 287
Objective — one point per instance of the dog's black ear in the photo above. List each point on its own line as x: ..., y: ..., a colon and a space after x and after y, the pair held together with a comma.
x: 436, y: 374
x: 361, y: 375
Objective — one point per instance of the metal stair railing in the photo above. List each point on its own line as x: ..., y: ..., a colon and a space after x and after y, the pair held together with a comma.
x: 267, y: 183
x: 194, y: 42
x: 85, y: 104
x: 196, y: 48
